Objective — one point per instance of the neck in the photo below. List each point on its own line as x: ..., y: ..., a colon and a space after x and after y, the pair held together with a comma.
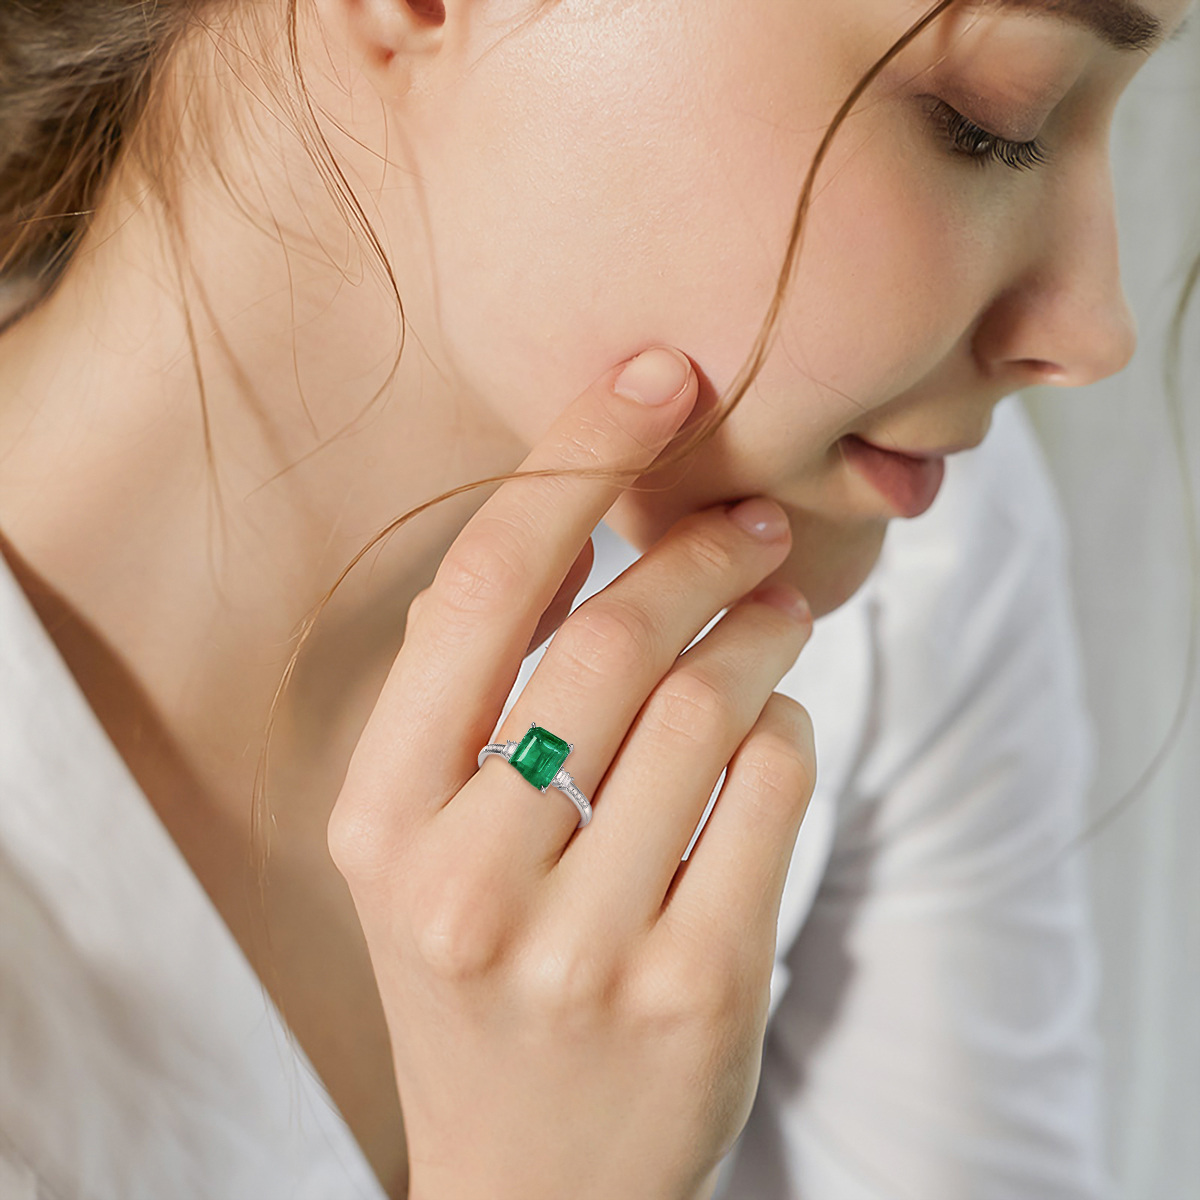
x: 198, y: 578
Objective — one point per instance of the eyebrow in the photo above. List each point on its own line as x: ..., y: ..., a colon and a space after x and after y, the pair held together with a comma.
x: 1122, y: 24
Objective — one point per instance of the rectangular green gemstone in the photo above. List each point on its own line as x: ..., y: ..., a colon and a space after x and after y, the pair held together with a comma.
x: 538, y: 756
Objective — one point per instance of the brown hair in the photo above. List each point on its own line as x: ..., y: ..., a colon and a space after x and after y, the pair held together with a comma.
x: 81, y: 85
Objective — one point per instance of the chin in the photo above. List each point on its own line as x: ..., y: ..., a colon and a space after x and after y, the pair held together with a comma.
x: 829, y: 562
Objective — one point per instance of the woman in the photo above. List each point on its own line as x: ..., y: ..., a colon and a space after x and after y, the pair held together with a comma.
x: 555, y: 191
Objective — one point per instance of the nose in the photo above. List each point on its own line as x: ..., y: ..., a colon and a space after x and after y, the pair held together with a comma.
x: 1063, y: 317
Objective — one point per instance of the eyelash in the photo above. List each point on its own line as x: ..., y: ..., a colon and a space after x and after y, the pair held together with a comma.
x: 970, y: 141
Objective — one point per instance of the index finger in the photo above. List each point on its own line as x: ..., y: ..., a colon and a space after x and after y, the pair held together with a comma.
x: 468, y: 635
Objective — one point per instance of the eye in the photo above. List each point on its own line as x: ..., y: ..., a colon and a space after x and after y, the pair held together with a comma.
x: 967, y: 139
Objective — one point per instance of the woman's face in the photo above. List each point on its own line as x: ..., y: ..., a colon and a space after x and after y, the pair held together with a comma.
x: 615, y: 174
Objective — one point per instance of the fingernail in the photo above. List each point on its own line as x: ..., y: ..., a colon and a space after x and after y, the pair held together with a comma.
x: 656, y: 376
x: 779, y: 595
x: 760, y: 517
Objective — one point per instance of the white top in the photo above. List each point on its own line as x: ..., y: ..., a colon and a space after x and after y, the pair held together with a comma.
x: 932, y: 1002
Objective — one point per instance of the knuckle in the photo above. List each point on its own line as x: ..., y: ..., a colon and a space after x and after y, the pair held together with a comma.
x: 451, y: 932
x: 452, y: 952
x: 710, y: 545
x: 794, y: 731
x: 589, y: 440
x: 418, y: 607
x: 483, y: 571
x: 798, y: 723
x: 773, y: 766
x: 688, y: 987
x: 690, y: 705
x: 606, y: 637
x: 572, y: 981
x: 353, y: 841
x: 600, y: 430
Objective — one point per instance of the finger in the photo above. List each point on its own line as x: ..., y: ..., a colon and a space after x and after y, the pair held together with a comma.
x: 560, y: 606
x: 468, y: 632
x: 594, y: 678
x: 731, y: 886
x: 687, y: 732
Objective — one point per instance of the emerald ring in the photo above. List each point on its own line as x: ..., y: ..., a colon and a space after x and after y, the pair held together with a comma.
x: 539, y: 757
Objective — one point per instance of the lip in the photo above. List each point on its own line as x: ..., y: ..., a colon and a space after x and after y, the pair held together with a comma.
x: 941, y: 452
x: 909, y: 482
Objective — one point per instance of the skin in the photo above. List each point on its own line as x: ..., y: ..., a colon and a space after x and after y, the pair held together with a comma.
x: 608, y: 177
x: 545, y: 225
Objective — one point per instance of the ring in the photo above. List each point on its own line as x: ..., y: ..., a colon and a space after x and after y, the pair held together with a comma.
x: 539, y: 757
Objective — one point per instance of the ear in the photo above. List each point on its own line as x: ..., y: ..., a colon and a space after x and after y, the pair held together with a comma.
x: 389, y: 38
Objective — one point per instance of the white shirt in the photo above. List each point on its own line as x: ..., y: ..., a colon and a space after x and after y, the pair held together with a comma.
x: 931, y: 1021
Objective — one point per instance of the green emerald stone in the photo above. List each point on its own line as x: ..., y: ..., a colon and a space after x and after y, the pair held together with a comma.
x: 538, y: 756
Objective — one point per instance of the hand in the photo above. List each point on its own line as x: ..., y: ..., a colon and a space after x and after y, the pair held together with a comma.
x: 580, y: 1014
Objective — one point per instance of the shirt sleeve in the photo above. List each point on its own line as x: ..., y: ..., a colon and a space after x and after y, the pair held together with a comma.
x: 936, y: 1038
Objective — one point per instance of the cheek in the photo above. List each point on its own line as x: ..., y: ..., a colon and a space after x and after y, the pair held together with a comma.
x: 644, y: 191
x: 636, y: 194
x: 886, y: 283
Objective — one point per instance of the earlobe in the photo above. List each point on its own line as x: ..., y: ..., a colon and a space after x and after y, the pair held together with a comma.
x: 388, y: 36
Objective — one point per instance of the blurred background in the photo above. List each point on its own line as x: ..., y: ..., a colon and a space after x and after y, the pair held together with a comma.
x: 1113, y: 452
